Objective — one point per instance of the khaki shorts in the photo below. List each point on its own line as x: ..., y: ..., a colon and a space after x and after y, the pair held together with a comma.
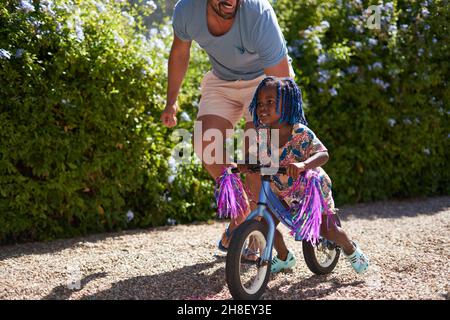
x: 227, y: 99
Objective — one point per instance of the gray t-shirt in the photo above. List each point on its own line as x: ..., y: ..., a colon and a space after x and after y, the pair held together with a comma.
x: 253, y: 43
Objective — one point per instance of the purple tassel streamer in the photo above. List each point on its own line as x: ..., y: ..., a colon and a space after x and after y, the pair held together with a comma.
x: 307, y: 212
x: 230, y: 195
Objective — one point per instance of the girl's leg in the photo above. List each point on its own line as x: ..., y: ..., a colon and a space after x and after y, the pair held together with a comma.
x: 336, y: 234
x: 278, y: 241
x: 280, y: 246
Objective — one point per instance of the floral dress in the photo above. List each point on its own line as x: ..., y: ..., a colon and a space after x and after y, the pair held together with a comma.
x: 301, y: 145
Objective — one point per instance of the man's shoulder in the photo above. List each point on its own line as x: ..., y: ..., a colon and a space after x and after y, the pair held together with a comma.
x: 255, y: 6
x: 183, y: 5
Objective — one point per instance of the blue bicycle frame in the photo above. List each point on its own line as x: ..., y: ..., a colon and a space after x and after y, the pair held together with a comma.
x: 269, y: 200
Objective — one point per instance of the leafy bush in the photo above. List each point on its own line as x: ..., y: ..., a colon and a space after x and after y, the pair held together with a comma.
x: 378, y: 98
x: 83, y: 85
x: 81, y: 144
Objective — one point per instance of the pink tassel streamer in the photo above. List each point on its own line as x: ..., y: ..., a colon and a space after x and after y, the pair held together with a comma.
x: 229, y: 194
x: 307, y: 213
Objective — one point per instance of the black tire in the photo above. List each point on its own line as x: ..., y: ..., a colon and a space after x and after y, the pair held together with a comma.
x: 233, y: 262
x: 310, y: 256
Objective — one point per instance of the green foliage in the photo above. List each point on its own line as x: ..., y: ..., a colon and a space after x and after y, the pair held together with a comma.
x: 377, y: 98
x: 83, y: 86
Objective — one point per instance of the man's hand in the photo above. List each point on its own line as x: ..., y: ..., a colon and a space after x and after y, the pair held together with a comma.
x: 294, y: 169
x: 169, y: 115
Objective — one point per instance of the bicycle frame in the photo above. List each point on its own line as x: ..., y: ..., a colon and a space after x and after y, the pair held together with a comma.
x: 269, y: 200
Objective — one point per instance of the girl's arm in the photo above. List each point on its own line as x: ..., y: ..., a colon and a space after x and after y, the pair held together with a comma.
x: 316, y: 160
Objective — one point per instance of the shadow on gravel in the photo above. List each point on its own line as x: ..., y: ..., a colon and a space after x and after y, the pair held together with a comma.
x: 195, y: 282
x: 44, y: 247
x: 395, y: 208
x: 314, y: 287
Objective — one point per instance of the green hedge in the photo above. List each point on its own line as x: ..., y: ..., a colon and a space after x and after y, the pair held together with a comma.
x: 81, y: 144
x: 83, y: 86
x: 378, y: 98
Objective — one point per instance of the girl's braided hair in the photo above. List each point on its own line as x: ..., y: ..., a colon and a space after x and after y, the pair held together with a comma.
x: 291, y: 100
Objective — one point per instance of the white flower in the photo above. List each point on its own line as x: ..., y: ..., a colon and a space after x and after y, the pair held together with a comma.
x: 373, y: 42
x: 130, y: 215
x: 26, y: 6
x: 358, y: 45
x: 185, y: 117
x: 427, y: 151
x: 377, y: 65
x: 147, y: 59
x: 129, y: 17
x: 151, y: 4
x: 118, y: 39
x: 100, y: 7
x: 165, y: 31
x: 47, y: 6
x: 324, y: 76
x: 352, y: 69
x: 159, y: 44
x: 325, y: 24
x: 392, y: 122
x: 170, y: 221
x: 407, y: 121
x: 152, y: 33
x: 322, y: 58
x: 389, y: 6
x: 4, y: 54
x: 404, y: 27
x: 333, y: 92
x: 425, y: 12
x: 80, y: 33
x: 19, y: 53
x: 392, y: 28
x: 171, y: 179
x: 381, y: 83
x: 172, y: 165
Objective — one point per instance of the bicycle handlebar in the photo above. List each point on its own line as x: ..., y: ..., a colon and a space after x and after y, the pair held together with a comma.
x: 257, y: 168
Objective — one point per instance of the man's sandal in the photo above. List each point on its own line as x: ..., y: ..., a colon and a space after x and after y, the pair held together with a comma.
x: 220, y: 246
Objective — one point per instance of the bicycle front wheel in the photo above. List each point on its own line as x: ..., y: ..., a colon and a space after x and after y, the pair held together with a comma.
x: 246, y: 276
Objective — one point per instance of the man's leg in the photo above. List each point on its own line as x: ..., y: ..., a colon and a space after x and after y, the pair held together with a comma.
x: 252, y: 180
x: 214, y: 165
x: 217, y: 126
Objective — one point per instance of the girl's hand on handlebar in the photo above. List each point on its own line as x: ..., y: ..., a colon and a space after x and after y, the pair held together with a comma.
x: 294, y: 169
x: 243, y: 168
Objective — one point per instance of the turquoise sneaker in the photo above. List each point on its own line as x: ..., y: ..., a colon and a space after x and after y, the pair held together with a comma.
x: 358, y: 260
x: 278, y: 264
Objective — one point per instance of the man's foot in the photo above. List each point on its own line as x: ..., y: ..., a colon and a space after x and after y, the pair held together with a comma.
x: 278, y: 264
x: 358, y: 260
x: 225, y: 236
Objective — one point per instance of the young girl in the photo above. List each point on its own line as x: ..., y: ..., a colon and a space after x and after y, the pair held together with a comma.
x: 277, y: 104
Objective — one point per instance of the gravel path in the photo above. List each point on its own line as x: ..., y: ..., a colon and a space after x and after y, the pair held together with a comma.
x: 408, y: 243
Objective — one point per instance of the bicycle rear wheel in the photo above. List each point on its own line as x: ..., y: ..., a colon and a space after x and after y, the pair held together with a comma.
x: 322, y: 257
x: 246, y: 279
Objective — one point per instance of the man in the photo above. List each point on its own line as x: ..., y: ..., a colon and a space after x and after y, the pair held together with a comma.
x: 244, y: 43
